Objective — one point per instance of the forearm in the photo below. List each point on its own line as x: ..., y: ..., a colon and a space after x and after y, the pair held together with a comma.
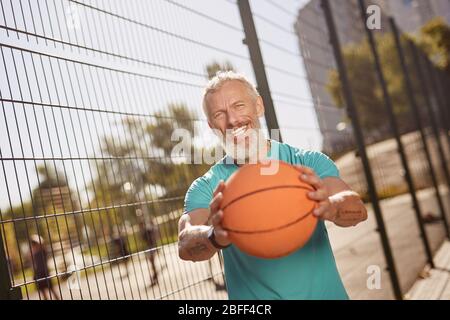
x: 350, y: 210
x: 194, y: 245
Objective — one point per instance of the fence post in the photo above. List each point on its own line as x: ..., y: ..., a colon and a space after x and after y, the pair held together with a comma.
x: 445, y: 83
x: 428, y: 103
x: 6, y: 292
x: 396, y: 132
x: 353, y: 114
x: 251, y: 40
x: 440, y: 100
x: 414, y: 109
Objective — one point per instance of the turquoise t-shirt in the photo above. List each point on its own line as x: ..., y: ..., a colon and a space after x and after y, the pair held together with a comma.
x: 308, y: 273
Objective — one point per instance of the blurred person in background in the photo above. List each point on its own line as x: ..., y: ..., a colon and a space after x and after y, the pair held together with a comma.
x: 120, y: 250
x: 149, y: 233
x: 40, y: 268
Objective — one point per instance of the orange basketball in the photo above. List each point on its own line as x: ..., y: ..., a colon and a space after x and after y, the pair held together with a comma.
x: 268, y: 216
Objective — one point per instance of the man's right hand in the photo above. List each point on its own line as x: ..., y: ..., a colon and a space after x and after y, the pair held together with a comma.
x: 194, y: 228
x: 216, y: 215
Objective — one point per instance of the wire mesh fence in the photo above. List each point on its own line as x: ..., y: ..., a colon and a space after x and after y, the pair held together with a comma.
x: 92, y: 91
x: 385, y: 114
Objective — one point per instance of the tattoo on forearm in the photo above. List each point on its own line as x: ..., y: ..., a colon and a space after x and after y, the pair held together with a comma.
x: 352, y: 212
x: 197, y: 249
x: 348, y: 215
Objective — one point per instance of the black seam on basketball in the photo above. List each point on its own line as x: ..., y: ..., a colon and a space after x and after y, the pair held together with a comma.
x: 273, y: 229
x: 263, y: 190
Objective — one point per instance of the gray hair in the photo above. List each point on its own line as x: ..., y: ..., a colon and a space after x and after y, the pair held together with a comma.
x: 223, y: 76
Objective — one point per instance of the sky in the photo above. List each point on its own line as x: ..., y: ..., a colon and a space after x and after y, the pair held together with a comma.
x: 132, y: 57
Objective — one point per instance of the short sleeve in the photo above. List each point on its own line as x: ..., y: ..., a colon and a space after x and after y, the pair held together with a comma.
x: 198, y: 196
x: 320, y: 163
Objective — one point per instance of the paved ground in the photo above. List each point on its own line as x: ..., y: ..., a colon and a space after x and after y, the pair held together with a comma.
x: 435, y: 284
x: 358, y: 249
x: 386, y: 165
x: 355, y: 249
x: 177, y: 280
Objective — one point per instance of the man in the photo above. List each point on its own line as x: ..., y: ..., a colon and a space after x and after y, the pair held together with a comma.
x: 40, y: 268
x: 232, y: 103
x: 120, y: 250
x: 149, y: 233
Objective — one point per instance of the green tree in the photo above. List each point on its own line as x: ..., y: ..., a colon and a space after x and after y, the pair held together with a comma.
x: 56, y: 205
x: 214, y: 67
x: 142, y: 174
x: 21, y: 224
x: 52, y: 197
x: 366, y: 89
x: 434, y: 39
x: 50, y: 213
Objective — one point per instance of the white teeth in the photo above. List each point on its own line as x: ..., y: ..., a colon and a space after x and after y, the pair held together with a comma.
x: 239, y: 131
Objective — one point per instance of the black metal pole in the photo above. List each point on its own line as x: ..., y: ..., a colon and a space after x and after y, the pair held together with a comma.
x: 414, y: 109
x: 396, y: 132
x: 5, y: 283
x: 446, y: 90
x: 433, y: 108
x: 353, y: 114
x: 420, y: 75
x: 251, y: 40
x: 6, y: 291
x: 445, y: 87
x: 446, y: 81
x: 426, y: 80
x: 439, y: 97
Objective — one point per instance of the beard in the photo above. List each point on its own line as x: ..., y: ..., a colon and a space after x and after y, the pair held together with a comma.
x: 247, y: 148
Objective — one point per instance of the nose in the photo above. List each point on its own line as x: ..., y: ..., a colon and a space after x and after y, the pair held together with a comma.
x: 233, y: 120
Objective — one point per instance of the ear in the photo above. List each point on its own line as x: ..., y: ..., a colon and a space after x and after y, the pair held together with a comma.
x: 260, y: 110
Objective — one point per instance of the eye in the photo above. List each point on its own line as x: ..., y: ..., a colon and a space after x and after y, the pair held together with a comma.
x: 218, y: 114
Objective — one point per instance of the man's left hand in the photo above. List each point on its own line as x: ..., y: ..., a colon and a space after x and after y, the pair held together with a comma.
x: 325, y: 210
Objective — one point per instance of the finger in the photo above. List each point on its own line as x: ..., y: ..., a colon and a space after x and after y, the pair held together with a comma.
x: 219, y: 187
x: 322, y: 209
x: 318, y: 195
x: 215, y: 203
x: 220, y: 233
x: 217, y: 218
x: 304, y: 169
x: 312, y: 180
x: 318, y: 213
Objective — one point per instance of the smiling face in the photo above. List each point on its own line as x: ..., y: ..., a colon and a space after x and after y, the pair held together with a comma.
x: 234, y: 111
